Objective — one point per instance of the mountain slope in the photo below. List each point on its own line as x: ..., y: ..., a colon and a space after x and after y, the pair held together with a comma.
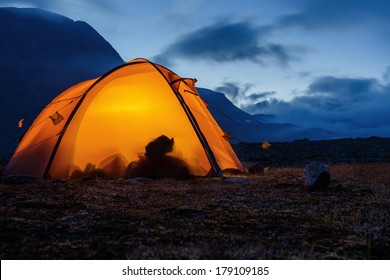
x: 42, y: 54
x: 247, y: 128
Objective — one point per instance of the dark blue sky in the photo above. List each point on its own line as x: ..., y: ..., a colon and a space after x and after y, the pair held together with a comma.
x: 310, y: 62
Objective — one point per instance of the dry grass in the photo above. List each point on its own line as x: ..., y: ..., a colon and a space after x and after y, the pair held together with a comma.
x: 271, y: 216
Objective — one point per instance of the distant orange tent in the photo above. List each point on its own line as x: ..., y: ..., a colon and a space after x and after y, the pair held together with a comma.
x: 139, y: 119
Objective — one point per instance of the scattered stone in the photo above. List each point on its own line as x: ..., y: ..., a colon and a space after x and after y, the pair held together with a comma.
x: 232, y: 172
x: 267, y: 169
x: 255, y: 168
x: 139, y: 181
x: 316, y: 175
x: 18, y: 179
x: 235, y: 179
x: 83, y: 213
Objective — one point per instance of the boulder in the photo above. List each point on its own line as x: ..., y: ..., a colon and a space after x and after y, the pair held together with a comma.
x: 316, y: 175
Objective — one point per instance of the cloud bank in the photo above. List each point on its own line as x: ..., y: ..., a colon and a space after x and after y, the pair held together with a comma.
x: 352, y: 107
x: 64, y: 5
x: 316, y: 14
x: 228, y: 42
x: 241, y: 95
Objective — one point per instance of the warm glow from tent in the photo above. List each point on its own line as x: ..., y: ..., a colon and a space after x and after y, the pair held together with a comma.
x: 127, y: 113
x: 122, y: 124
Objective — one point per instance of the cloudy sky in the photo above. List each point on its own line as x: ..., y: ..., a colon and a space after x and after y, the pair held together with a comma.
x: 310, y: 62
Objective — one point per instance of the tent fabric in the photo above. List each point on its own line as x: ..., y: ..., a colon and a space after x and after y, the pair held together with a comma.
x: 108, y: 124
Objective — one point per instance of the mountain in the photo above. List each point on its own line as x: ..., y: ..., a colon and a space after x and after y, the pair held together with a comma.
x: 247, y: 128
x: 42, y: 54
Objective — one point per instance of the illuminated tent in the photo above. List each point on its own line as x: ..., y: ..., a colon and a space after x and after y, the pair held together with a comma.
x: 108, y: 124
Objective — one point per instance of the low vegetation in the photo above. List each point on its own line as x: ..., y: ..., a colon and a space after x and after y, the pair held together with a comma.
x: 269, y: 216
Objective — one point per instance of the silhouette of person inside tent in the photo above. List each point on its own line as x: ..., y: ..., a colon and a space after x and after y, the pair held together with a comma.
x: 157, y: 163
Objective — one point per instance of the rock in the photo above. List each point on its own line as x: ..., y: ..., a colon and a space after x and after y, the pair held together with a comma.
x: 255, y: 168
x: 316, y: 175
x: 139, y: 181
x: 267, y: 169
x: 21, y: 179
x: 235, y: 179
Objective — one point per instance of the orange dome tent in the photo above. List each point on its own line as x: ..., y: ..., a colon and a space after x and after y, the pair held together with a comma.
x: 116, y: 123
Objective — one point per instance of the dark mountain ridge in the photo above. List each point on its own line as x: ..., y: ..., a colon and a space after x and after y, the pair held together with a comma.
x: 247, y: 128
x: 42, y: 54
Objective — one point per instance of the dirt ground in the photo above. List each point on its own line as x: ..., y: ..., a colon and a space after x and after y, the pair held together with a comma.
x: 269, y: 215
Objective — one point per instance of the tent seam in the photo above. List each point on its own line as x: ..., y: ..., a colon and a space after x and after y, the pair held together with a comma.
x: 79, y: 103
x: 206, y: 146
